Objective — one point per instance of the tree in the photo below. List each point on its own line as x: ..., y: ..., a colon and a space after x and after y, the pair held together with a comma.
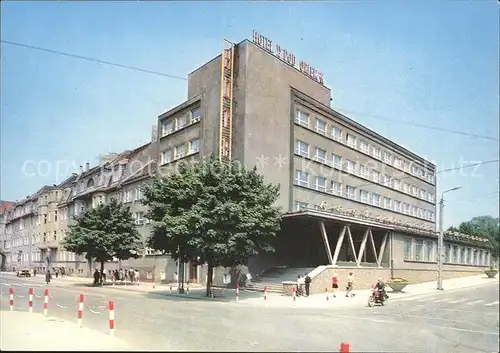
x: 485, y: 227
x: 104, y: 232
x: 221, y: 213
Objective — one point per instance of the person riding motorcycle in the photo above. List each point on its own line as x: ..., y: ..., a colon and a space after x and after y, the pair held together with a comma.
x: 380, y: 288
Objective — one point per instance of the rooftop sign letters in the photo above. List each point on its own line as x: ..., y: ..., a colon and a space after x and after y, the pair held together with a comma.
x: 287, y: 57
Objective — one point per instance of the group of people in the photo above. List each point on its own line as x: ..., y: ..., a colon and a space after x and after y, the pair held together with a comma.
x: 122, y: 275
x: 304, y: 283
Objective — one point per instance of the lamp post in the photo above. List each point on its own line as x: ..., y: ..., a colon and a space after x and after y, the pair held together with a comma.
x: 440, y: 239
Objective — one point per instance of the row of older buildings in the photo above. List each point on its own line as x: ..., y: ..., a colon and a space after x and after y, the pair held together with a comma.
x: 351, y: 197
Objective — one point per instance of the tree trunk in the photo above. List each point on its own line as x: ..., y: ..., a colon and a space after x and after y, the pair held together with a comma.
x: 210, y: 274
x: 102, y: 272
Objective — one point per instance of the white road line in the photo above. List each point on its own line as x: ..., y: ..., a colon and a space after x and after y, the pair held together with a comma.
x: 491, y: 304
x: 458, y: 301
x: 475, y: 302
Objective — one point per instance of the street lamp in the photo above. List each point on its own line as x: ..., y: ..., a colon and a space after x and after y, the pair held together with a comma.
x: 441, y: 237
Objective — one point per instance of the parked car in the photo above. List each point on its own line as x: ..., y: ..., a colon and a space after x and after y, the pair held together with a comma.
x: 25, y: 272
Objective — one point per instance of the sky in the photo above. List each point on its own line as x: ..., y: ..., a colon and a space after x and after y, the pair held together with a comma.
x: 387, y: 64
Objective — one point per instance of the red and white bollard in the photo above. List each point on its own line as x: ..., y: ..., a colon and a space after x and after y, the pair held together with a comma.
x: 326, y: 294
x: 45, y: 302
x: 237, y: 292
x: 111, y: 307
x: 154, y: 284
x: 265, y: 293
x: 30, y: 300
x: 80, y: 310
x: 11, y: 301
x: 345, y: 348
x: 294, y: 293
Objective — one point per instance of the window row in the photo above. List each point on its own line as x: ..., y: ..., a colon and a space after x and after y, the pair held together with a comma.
x: 361, y: 195
x: 171, y: 125
x: 423, y: 250
x: 320, y: 126
x: 132, y: 195
x: 463, y: 255
x: 139, y: 218
x: 352, y: 167
x: 180, y: 151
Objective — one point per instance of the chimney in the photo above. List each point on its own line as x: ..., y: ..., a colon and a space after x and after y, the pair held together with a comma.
x: 87, y: 166
x: 154, y: 134
x: 81, y: 169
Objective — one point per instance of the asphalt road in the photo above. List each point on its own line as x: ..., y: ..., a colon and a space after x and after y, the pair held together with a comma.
x: 446, y: 322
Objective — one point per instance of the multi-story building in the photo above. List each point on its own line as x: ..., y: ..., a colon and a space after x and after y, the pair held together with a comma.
x: 350, y: 196
x: 5, y: 207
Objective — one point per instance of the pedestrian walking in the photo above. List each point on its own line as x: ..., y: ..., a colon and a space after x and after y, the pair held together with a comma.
x: 350, y: 285
x: 48, y: 277
x: 335, y: 284
x: 300, y: 285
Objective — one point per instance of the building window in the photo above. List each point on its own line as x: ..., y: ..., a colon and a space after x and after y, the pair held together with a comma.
x: 386, y: 180
x: 336, y: 133
x: 301, y: 178
x: 397, y: 206
x: 406, y: 188
x: 414, y: 170
x: 414, y: 211
x: 320, y: 184
x: 430, y: 196
x: 414, y: 190
x: 302, y: 148
x: 195, y: 115
x: 138, y: 194
x: 55, y: 235
x: 397, y: 184
x: 336, y: 188
x: 454, y: 254
x: 462, y: 255
x: 166, y: 156
x: 398, y: 162
x: 363, y: 196
x: 363, y: 171
x: 376, y: 152
x: 337, y: 161
x: 127, y: 196
x: 387, y: 157
x: 302, y: 118
x: 351, y: 140
x: 194, y: 146
x: 299, y: 206
x: 387, y: 202
x: 167, y: 128
x: 181, y: 121
x: 423, y: 194
x: 430, y: 177
x: 406, y: 208
x: 364, y: 146
x: 320, y: 155
x: 55, y: 216
x: 375, y: 176
x: 350, y: 192
x: 376, y: 200
x: 407, y: 248
x: 351, y: 166
x: 406, y: 166
x: 320, y: 126
x: 418, y: 249
x: 180, y: 151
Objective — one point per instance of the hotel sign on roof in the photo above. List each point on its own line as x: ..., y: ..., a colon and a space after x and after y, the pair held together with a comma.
x: 287, y: 57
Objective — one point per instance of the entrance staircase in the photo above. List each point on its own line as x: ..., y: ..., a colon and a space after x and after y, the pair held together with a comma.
x: 273, y: 278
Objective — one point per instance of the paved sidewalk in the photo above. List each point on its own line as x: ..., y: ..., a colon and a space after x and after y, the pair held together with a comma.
x: 22, y: 331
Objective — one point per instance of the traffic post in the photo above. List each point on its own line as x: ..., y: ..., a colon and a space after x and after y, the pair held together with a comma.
x: 45, y: 302
x: 30, y: 300
x: 80, y: 310
x: 11, y: 299
x: 111, y: 307
x: 237, y: 292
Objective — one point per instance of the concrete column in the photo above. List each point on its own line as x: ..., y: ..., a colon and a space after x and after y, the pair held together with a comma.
x: 372, y: 242
x: 340, y: 240
x: 362, y: 247
x: 382, y: 250
x: 351, y: 241
x: 325, y: 240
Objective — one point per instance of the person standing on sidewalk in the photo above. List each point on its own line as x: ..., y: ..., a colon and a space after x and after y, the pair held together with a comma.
x: 350, y: 285
x: 307, y: 283
x: 335, y: 283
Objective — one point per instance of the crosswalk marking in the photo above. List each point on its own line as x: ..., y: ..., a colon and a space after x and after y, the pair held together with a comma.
x: 491, y: 304
x: 475, y: 302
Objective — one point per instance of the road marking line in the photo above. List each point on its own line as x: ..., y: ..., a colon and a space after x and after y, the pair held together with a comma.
x: 458, y: 301
x: 475, y: 302
x: 491, y: 304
